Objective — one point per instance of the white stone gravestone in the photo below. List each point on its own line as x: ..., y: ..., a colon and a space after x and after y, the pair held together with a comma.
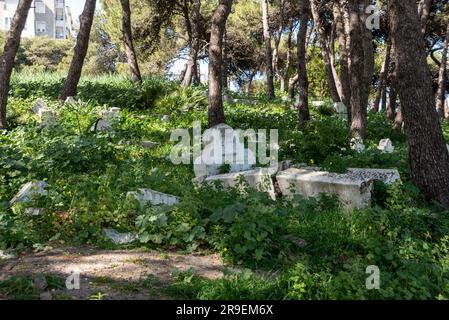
x: 386, y: 146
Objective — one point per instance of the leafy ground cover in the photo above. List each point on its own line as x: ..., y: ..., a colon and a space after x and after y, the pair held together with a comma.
x: 90, y: 173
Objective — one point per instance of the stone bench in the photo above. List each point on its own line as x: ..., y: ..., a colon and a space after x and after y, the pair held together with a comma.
x: 353, y: 188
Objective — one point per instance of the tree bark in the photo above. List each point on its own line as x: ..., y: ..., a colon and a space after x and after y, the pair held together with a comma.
x: 381, y: 92
x: 424, y: 13
x: 429, y: 157
x: 80, y: 51
x: 292, y: 85
x: 303, y: 107
x: 284, y: 76
x: 341, y: 28
x: 268, y: 51
x: 442, y: 78
x: 225, y: 64
x: 8, y: 56
x: 218, y: 27
x: 129, y: 43
x: 192, y: 21
x: 325, y: 50
x: 357, y: 71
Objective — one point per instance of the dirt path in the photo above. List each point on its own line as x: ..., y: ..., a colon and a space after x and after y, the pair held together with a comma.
x: 109, y: 274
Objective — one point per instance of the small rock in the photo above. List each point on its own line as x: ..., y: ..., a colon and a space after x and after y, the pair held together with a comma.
x: 69, y: 100
x: 29, y: 190
x: 357, y: 145
x: 4, y: 256
x: 40, y: 283
x: 385, y: 145
x: 120, y: 238
x: 165, y: 118
x: 46, y: 296
x: 148, y: 144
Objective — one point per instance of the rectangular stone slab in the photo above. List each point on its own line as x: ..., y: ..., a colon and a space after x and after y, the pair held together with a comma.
x: 353, y: 188
x: 156, y: 198
x: 259, y: 179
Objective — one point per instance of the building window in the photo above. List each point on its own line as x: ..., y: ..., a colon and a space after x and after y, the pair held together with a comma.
x: 59, y: 14
x: 41, y: 27
x: 59, y: 33
x: 8, y: 22
x: 40, y: 7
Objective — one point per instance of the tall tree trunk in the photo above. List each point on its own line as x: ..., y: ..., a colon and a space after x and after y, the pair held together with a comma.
x: 225, y: 64
x: 398, y: 121
x: 424, y: 13
x: 332, y: 81
x: 284, y: 76
x: 442, y: 78
x: 357, y: 71
x: 192, y: 20
x: 341, y: 28
x: 292, y: 86
x: 8, y: 56
x: 368, y: 57
x: 304, y: 114
x: 80, y: 51
x: 129, y: 42
x: 268, y: 51
x: 429, y: 157
x: 383, y: 79
x: 218, y: 27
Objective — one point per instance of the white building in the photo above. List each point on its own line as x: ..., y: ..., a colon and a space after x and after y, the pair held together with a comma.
x: 50, y: 18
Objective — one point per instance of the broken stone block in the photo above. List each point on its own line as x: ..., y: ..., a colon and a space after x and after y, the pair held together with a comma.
x: 385, y: 145
x: 353, y: 188
x: 259, y: 179
x: 30, y: 190
x: 205, y: 165
x: 341, y: 109
x: 148, y: 144
x: 120, y: 238
x: 156, y: 198
x: 108, y: 117
x: 318, y: 104
x: 70, y: 100
x: 357, y: 145
x: 4, y: 256
x: 47, y: 117
x: 38, y: 105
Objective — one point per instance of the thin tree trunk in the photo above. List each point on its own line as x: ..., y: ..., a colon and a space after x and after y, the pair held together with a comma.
x: 268, y: 51
x: 8, y: 56
x: 424, y: 13
x: 218, y: 27
x: 304, y: 114
x: 368, y: 57
x: 383, y: 79
x: 341, y: 28
x: 284, y: 77
x: 442, y: 78
x: 129, y: 42
x: 80, y: 51
x: 429, y: 157
x: 225, y: 64
x: 325, y: 50
x: 292, y: 86
x: 357, y: 71
x: 192, y: 21
x: 398, y: 121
